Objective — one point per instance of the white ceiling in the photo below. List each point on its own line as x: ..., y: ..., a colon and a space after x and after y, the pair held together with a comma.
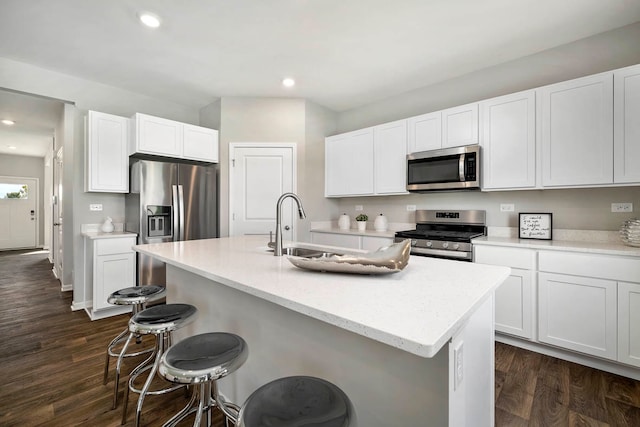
x: 343, y: 53
x: 35, y: 121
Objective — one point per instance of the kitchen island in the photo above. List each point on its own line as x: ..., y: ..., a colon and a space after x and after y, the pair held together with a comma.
x: 411, y: 348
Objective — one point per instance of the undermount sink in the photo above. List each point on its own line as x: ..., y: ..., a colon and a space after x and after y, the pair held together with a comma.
x: 307, y: 253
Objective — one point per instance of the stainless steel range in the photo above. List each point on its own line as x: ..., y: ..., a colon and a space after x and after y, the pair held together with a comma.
x: 445, y: 234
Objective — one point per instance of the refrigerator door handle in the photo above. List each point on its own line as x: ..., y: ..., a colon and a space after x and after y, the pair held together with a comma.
x: 176, y: 212
x: 181, y: 210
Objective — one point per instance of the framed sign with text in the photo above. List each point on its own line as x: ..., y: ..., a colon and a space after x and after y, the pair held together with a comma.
x: 535, y: 226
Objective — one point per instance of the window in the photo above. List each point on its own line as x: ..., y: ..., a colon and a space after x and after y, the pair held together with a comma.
x: 14, y: 191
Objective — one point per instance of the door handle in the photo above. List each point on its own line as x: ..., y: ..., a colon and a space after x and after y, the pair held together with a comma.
x: 56, y: 223
x: 286, y: 227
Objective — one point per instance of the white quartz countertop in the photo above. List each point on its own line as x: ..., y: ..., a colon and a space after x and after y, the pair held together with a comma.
x: 417, y: 310
x: 605, y: 248
x: 113, y: 235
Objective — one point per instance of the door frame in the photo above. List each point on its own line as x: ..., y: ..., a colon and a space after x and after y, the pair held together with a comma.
x: 36, y: 243
x: 294, y: 171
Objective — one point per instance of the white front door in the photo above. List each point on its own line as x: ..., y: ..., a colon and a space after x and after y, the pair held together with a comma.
x: 259, y: 175
x: 18, y: 212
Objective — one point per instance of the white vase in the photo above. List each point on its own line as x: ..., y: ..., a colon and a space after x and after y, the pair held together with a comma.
x: 380, y: 223
x: 107, y: 226
x: 362, y: 225
x: 344, y: 222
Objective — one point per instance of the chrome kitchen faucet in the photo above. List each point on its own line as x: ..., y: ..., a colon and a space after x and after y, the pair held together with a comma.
x: 277, y: 251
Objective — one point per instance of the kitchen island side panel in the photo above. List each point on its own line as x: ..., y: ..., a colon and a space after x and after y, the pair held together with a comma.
x: 387, y: 386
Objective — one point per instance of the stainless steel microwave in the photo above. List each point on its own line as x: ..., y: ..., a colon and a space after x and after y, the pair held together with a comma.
x: 455, y: 168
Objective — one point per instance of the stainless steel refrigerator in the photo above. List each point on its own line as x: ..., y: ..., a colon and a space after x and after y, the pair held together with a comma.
x: 169, y: 202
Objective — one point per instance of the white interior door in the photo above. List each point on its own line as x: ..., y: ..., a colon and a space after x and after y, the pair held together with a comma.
x: 56, y: 250
x: 18, y: 212
x: 259, y: 175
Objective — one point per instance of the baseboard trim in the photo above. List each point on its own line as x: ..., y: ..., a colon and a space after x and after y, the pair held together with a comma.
x: 592, y: 362
x: 75, y: 306
x: 65, y: 288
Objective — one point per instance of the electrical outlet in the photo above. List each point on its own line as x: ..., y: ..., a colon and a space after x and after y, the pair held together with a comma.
x: 621, y: 207
x: 95, y: 207
x: 458, y: 363
x: 504, y: 207
x: 411, y: 208
x: 358, y: 208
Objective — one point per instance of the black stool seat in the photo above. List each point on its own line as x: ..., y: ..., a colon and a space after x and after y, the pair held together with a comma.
x: 136, y: 295
x: 298, y: 401
x: 204, y: 357
x: 162, y: 318
x: 201, y: 360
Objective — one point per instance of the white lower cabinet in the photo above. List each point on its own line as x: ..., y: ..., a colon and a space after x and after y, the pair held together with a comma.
x: 515, y: 298
x: 351, y: 241
x: 629, y: 323
x: 578, y: 313
x: 110, y: 264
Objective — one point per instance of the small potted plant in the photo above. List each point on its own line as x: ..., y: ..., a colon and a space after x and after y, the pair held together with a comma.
x: 362, y: 222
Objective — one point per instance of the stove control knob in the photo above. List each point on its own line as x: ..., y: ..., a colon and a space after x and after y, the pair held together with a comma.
x: 429, y: 243
x: 413, y: 242
x: 456, y: 246
x: 445, y: 245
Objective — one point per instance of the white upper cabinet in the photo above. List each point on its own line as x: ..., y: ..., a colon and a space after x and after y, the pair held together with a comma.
x: 577, y: 132
x: 460, y: 126
x: 390, y: 158
x: 168, y: 138
x: 349, y: 164
x: 107, y: 161
x: 508, y: 141
x: 424, y: 132
x: 627, y: 125
x: 200, y: 143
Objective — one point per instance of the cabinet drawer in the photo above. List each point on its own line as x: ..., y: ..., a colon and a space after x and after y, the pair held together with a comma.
x: 114, y: 246
x: 505, y: 256
x: 338, y: 240
x: 599, y: 266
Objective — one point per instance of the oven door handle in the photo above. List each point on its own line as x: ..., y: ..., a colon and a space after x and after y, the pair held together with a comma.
x: 461, y: 162
x: 442, y: 253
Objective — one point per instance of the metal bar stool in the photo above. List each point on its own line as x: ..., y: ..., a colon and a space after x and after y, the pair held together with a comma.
x: 202, y: 360
x: 137, y: 297
x: 160, y: 321
x: 297, y: 401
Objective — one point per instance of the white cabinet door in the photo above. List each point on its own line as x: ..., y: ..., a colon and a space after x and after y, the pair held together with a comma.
x: 333, y: 239
x: 390, y: 157
x: 626, y: 167
x: 155, y: 135
x: 509, y: 141
x: 107, y: 160
x: 460, y: 126
x: 200, y: 143
x: 577, y: 132
x: 349, y: 164
x: 112, y: 272
x: 373, y: 243
x: 578, y: 313
x: 629, y: 323
x: 424, y: 132
x: 515, y: 304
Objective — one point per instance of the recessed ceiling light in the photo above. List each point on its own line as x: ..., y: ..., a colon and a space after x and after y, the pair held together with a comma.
x: 288, y: 82
x: 11, y: 147
x: 8, y: 122
x: 150, y: 20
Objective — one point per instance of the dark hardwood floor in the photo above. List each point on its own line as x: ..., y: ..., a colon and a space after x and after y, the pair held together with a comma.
x: 51, y: 366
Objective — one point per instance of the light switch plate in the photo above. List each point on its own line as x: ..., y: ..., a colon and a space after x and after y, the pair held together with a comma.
x: 95, y: 207
x: 507, y: 207
x: 358, y: 208
x: 411, y: 208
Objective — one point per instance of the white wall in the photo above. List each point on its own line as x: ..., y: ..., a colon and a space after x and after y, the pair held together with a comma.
x: 574, y: 209
x: 85, y: 95
x: 27, y: 167
x: 246, y: 119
